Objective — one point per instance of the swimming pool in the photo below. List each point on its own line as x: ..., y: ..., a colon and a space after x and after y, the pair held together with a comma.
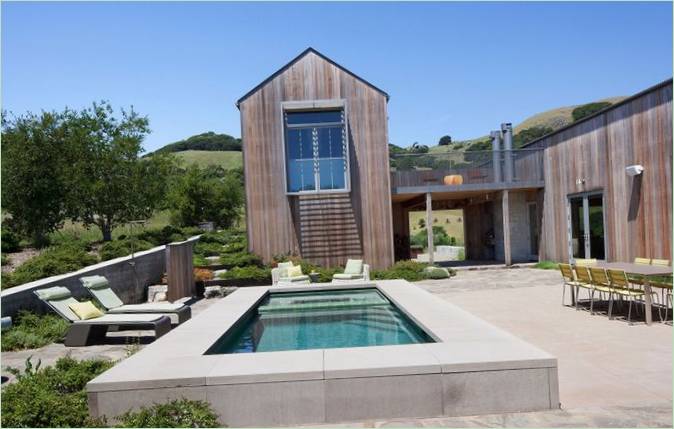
x: 320, y: 320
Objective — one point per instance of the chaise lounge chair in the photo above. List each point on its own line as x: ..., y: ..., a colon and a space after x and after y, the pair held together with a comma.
x: 287, y: 274
x: 354, y: 271
x: 99, y: 288
x: 84, y: 332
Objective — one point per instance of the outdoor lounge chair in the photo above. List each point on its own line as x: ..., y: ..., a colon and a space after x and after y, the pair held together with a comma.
x: 84, y: 332
x: 354, y: 270
x: 283, y: 275
x: 99, y: 288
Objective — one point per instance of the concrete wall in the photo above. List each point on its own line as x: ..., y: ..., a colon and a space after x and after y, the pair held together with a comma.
x: 131, y: 287
x: 519, y: 228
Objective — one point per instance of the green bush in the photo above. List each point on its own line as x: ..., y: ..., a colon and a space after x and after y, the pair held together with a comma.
x: 30, y: 331
x: 240, y: 259
x: 9, y: 240
x: 199, y: 260
x: 161, y: 236
x: 53, y: 261
x: 440, y: 238
x: 588, y: 109
x: 117, y: 248
x: 4, y: 260
x: 250, y: 275
x: 436, y: 273
x: 546, y: 265
x: 179, y: 413
x: 207, y: 248
x: 50, y: 397
x: 407, y: 270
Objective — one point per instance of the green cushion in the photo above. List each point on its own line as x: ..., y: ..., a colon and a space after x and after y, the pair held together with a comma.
x: 354, y: 266
x: 107, y: 298
x: 339, y: 276
x: 52, y: 293
x: 283, y: 268
x: 94, y: 282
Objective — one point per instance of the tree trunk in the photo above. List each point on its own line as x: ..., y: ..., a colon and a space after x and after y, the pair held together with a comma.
x: 106, y: 229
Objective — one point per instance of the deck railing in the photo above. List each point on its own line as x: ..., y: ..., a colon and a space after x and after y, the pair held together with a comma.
x: 473, y: 167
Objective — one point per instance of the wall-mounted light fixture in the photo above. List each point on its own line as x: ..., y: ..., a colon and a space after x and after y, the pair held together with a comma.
x: 634, y: 170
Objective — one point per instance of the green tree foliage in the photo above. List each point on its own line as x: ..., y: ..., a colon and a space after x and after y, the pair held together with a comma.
x: 109, y: 184
x: 588, y: 109
x: 205, y: 141
x: 445, y: 141
x: 210, y: 194
x: 34, y: 159
x: 530, y: 134
x: 418, y: 148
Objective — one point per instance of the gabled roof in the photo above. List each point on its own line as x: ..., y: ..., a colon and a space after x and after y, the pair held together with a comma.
x: 296, y: 59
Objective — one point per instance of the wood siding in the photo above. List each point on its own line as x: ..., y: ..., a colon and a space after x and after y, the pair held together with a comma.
x: 278, y: 223
x: 638, y: 210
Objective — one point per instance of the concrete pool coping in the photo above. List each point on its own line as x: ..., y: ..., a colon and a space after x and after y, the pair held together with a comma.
x: 473, y: 367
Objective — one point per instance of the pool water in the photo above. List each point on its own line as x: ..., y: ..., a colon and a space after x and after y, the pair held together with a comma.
x: 320, y: 320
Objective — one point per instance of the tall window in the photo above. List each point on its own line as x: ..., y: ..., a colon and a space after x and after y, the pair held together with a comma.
x: 316, y: 151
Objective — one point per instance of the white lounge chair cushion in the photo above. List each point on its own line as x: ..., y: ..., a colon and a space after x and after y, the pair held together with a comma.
x: 283, y: 268
x: 51, y: 293
x: 340, y: 276
x: 294, y: 279
x: 354, y: 266
x: 157, y: 307
x: 121, y: 319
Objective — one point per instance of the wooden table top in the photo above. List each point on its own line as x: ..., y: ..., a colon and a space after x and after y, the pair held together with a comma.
x: 641, y: 269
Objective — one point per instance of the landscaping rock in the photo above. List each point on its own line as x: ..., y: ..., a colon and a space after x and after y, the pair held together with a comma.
x: 157, y: 293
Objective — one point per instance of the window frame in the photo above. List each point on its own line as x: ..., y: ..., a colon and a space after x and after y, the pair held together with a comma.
x: 315, y: 106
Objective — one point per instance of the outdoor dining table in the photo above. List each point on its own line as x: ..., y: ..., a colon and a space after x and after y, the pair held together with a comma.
x: 641, y: 270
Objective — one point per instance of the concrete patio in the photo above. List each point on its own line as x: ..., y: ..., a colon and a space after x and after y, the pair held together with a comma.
x: 610, y: 374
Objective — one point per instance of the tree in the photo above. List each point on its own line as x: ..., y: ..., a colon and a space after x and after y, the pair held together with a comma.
x: 33, y: 163
x: 440, y: 237
x: 445, y: 141
x: 530, y: 134
x: 210, y: 194
x: 109, y: 184
x: 418, y: 148
x: 588, y: 109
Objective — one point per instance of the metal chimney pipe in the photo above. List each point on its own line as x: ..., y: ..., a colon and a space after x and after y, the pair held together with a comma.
x: 507, y: 130
x: 496, y: 154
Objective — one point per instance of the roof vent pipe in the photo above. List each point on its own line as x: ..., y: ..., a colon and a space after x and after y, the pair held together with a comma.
x: 507, y: 130
x: 496, y: 154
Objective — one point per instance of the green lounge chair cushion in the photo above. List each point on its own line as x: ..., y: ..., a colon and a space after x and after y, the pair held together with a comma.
x: 51, y: 293
x: 295, y: 279
x: 94, y: 282
x: 354, y: 266
x: 345, y: 276
x: 283, y: 268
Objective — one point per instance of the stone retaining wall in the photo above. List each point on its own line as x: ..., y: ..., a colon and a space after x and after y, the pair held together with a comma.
x: 129, y: 278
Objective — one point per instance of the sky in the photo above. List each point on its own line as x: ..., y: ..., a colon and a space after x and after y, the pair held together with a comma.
x: 450, y: 68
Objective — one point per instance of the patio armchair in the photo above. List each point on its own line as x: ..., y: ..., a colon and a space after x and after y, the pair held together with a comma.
x: 93, y: 326
x: 583, y: 280
x: 99, y: 288
x: 568, y: 277
x: 287, y: 274
x: 601, y: 283
x: 354, y: 271
x: 624, y: 288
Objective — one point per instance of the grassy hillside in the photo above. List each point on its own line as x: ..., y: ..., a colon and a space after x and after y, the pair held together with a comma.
x: 204, y: 158
x: 451, y: 220
x: 555, y: 119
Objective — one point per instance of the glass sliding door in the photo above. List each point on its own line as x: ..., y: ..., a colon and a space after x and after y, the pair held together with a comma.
x: 586, y: 226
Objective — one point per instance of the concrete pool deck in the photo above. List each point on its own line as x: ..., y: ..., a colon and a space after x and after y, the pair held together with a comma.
x: 473, y: 368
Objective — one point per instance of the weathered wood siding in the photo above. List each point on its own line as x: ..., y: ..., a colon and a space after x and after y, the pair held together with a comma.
x: 274, y: 220
x: 638, y: 211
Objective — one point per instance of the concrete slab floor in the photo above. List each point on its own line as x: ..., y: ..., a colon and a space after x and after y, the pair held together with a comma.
x: 610, y: 374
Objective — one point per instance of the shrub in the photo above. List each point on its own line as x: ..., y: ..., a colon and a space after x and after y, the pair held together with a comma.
x: 207, y: 248
x: 4, y: 260
x: 53, y: 261
x: 30, y: 331
x: 406, y: 270
x: 436, y: 273
x: 10, y: 240
x: 588, y: 109
x: 250, y: 275
x: 546, y: 265
x: 179, y: 413
x: 240, y: 259
x: 199, y: 260
x: 158, y: 237
x: 124, y: 247
x: 50, y: 397
x: 202, y: 275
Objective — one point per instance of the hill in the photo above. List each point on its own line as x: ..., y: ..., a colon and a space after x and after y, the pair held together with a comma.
x: 208, y: 141
x: 229, y: 159
x: 548, y: 121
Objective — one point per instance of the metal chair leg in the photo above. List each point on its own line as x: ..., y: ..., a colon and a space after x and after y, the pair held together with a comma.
x: 563, y: 292
x: 629, y: 313
x: 592, y: 302
x: 610, y: 305
x: 577, y: 296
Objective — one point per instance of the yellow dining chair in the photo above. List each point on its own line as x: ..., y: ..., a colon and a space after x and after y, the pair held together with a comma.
x: 583, y: 280
x: 642, y: 261
x: 660, y: 262
x: 621, y: 285
x: 582, y: 262
x: 568, y: 277
x: 600, y: 282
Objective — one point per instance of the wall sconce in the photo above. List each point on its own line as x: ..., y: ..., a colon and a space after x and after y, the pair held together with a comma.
x: 634, y: 170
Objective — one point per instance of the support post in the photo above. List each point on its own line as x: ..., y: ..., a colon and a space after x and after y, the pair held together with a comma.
x: 505, y: 204
x: 496, y: 155
x: 507, y: 130
x: 429, y: 227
